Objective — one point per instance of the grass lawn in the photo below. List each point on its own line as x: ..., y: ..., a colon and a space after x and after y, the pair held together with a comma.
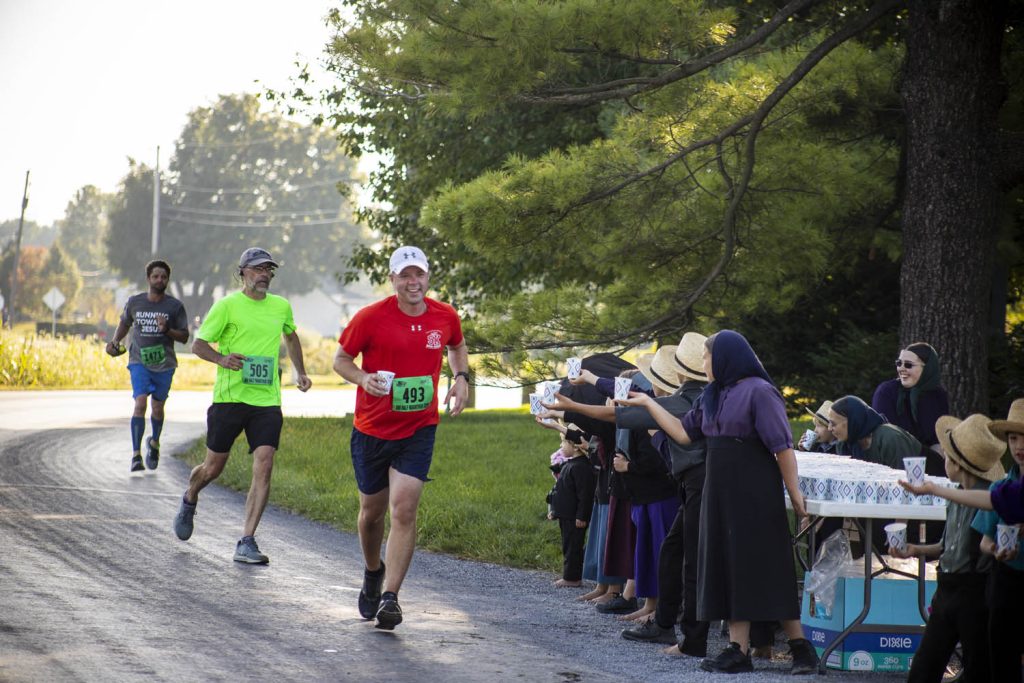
x: 485, y: 501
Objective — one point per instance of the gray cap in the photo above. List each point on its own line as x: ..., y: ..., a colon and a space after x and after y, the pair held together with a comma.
x: 254, y: 256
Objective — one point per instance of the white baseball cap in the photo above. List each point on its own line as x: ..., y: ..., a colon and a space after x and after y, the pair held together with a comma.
x: 408, y: 256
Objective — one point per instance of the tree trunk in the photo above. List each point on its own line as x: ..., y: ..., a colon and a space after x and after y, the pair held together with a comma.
x: 952, y: 90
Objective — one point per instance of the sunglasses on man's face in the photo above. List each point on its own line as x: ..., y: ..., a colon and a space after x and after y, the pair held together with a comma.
x: 906, y: 364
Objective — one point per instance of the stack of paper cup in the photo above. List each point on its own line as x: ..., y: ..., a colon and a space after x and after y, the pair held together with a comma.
x: 897, y: 535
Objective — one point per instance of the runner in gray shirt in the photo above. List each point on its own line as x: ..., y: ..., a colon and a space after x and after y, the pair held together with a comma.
x: 155, y: 321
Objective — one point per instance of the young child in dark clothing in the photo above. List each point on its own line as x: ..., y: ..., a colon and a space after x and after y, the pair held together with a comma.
x: 572, y: 501
x: 958, y: 610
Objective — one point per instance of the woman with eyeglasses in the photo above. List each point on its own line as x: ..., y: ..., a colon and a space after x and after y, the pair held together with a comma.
x: 915, y: 399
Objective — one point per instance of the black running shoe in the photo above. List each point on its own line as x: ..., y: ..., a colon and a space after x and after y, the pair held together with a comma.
x: 730, y: 661
x: 137, y: 465
x: 390, y: 614
x: 152, y: 453
x: 369, y: 596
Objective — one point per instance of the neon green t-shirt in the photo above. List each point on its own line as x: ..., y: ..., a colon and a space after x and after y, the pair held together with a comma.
x: 239, y: 324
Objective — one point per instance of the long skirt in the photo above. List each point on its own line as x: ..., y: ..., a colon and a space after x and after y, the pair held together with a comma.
x: 652, y: 522
x: 621, y: 540
x: 593, y: 556
x: 745, y: 553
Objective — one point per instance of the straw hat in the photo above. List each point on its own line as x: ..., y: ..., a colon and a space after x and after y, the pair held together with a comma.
x: 971, y: 445
x: 660, y: 369
x: 821, y: 414
x: 1014, y: 422
x: 689, y: 357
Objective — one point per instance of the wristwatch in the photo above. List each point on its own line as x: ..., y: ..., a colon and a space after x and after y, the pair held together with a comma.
x: 461, y: 373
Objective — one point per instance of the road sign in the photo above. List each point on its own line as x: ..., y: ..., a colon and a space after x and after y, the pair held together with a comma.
x: 53, y: 299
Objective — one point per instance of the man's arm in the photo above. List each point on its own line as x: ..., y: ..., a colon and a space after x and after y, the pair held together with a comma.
x: 294, y: 346
x: 120, y: 333
x: 345, y: 366
x: 164, y: 325
x: 202, y: 348
x: 458, y: 361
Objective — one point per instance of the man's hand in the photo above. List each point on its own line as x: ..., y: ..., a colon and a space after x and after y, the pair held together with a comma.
x: 460, y: 392
x: 113, y: 349
x: 374, y: 384
x: 233, y: 361
x: 303, y: 382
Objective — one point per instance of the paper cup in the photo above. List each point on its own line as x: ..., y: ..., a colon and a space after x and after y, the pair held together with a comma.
x: 1006, y: 537
x: 574, y: 366
x: 622, y: 385
x: 388, y: 378
x: 550, y: 389
x: 535, y: 406
x: 897, y: 535
x: 914, y: 468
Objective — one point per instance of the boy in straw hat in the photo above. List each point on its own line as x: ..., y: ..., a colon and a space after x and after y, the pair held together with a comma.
x: 958, y: 611
x: 1006, y: 581
x: 820, y: 439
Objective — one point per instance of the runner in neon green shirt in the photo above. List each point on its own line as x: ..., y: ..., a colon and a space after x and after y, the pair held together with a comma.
x: 247, y: 328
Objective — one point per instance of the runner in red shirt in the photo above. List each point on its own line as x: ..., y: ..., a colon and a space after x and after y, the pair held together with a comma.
x: 402, y: 340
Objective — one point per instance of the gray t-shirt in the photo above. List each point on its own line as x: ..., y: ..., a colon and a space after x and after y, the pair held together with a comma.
x: 146, y: 345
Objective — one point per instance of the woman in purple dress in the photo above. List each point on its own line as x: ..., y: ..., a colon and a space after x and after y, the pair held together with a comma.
x: 915, y: 399
x: 746, y: 567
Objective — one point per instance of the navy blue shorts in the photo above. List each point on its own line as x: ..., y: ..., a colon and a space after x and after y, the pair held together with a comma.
x: 225, y: 421
x: 373, y: 457
x: 146, y: 382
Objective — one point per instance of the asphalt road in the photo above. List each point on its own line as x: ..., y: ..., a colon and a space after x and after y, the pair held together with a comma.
x: 95, y: 586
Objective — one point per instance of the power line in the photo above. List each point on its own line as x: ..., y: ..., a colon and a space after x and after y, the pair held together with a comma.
x: 292, y: 188
x: 225, y: 224
x: 254, y: 214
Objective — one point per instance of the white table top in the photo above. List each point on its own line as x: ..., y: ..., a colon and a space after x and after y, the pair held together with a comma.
x: 825, y: 508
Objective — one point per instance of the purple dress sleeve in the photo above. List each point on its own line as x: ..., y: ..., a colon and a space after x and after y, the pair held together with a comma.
x: 1008, y: 500
x: 606, y: 386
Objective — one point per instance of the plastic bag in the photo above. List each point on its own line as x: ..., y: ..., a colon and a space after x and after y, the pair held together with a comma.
x: 833, y: 556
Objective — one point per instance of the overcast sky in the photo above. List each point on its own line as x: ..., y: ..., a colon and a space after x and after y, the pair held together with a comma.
x: 85, y: 84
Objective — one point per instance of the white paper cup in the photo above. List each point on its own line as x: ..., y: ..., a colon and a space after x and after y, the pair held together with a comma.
x: 622, y: 385
x: 388, y: 378
x: 897, y: 535
x: 550, y: 389
x: 1006, y: 537
x: 574, y: 366
x: 535, y: 406
x: 914, y: 468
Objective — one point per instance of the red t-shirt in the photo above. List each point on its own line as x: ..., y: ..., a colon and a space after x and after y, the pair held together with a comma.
x: 411, y: 347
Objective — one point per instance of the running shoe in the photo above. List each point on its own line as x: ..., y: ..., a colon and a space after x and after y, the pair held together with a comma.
x: 247, y: 551
x: 137, y: 463
x: 650, y: 632
x: 732, y: 660
x: 152, y: 453
x: 369, y: 596
x: 183, y: 520
x: 390, y: 614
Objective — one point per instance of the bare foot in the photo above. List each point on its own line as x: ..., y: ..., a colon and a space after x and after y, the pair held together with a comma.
x: 562, y: 583
x: 601, y: 599
x: 641, y: 614
x: 596, y: 593
x: 673, y: 650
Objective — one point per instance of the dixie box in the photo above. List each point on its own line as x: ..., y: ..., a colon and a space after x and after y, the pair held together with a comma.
x: 890, y: 634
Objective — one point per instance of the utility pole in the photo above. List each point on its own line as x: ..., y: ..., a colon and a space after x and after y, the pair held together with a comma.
x: 155, y: 243
x: 17, y: 256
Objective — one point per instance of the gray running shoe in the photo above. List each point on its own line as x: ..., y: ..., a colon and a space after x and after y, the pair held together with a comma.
x: 390, y: 614
x: 650, y: 632
x: 183, y: 520
x: 247, y: 551
x: 152, y: 453
x: 137, y: 463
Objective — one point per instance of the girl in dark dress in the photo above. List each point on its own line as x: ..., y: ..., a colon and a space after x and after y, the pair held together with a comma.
x: 745, y: 552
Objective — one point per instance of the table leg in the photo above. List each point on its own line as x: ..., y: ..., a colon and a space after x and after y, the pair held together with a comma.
x: 868, y: 551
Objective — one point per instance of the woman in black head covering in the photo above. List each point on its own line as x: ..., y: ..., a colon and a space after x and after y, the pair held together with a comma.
x: 915, y: 399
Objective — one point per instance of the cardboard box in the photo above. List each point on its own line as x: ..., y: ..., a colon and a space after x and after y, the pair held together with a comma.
x: 890, y: 634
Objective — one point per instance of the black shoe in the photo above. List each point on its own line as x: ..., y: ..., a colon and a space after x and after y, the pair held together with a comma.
x: 369, y: 596
x: 390, y: 614
x: 805, y: 657
x: 152, y: 453
x: 650, y: 632
x: 618, y: 605
x: 137, y: 465
x: 730, y: 661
